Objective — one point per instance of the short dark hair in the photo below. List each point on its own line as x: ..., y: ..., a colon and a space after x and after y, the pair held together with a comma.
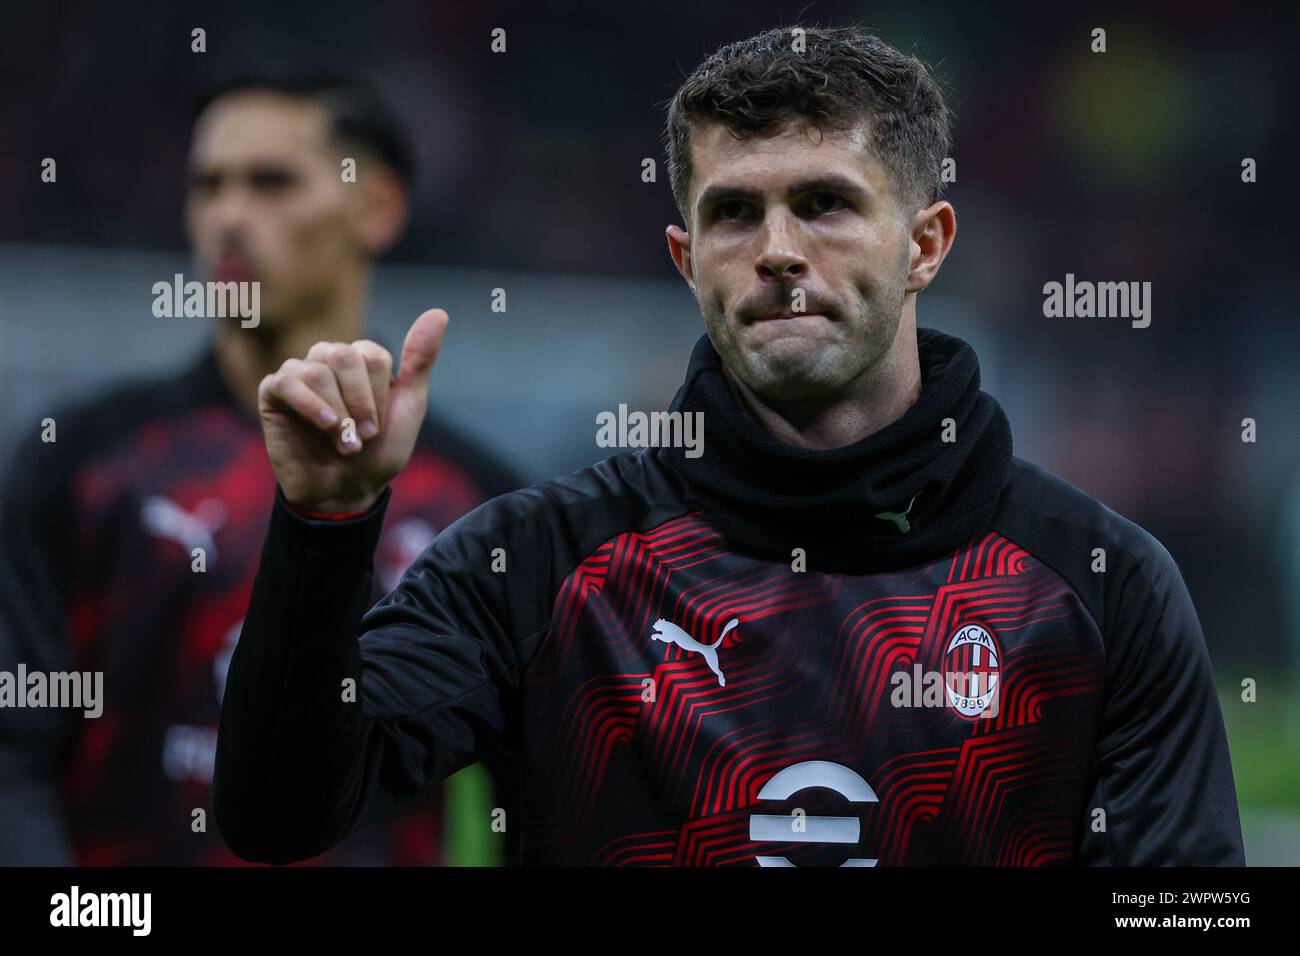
x: 842, y: 77
x: 358, y: 114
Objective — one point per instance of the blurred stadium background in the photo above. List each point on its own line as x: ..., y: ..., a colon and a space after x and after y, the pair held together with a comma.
x: 1120, y: 166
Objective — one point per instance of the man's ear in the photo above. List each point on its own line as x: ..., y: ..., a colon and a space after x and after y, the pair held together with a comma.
x: 933, y: 231
x: 679, y: 247
x: 382, y: 209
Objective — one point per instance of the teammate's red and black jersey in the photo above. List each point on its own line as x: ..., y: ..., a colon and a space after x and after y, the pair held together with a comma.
x: 130, y: 544
x: 917, y: 649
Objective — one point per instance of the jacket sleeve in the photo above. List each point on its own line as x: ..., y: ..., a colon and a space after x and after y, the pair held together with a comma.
x: 1164, y: 777
x: 35, y: 585
x: 303, y: 760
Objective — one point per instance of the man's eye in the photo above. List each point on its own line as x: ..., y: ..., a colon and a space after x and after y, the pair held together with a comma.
x: 826, y: 202
x: 731, y: 209
x: 271, y: 180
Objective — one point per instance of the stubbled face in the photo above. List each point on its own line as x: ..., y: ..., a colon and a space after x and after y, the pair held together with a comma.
x: 796, y: 210
x: 266, y: 201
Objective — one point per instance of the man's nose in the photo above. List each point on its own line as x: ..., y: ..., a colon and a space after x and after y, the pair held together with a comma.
x: 780, y: 258
x: 228, y: 210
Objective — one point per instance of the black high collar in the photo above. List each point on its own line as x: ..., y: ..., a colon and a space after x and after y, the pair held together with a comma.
x: 769, y: 497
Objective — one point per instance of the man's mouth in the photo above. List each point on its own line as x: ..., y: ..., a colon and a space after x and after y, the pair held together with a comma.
x: 233, y: 269
x: 787, y: 314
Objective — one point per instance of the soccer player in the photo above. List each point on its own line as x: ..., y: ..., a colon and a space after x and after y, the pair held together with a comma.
x: 130, y: 544
x: 856, y: 630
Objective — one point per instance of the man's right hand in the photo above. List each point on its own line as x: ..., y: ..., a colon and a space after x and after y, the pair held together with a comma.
x: 305, y: 407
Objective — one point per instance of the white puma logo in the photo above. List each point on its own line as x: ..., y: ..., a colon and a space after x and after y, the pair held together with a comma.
x: 670, y: 633
x: 165, y: 518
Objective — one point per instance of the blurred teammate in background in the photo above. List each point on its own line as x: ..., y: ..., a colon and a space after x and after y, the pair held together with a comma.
x: 100, y: 530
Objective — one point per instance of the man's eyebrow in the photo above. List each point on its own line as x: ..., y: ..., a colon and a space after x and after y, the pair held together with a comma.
x: 256, y: 167
x: 722, y: 192
x: 830, y: 183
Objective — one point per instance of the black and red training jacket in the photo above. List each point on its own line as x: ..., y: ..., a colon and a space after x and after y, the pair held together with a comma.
x: 917, y: 649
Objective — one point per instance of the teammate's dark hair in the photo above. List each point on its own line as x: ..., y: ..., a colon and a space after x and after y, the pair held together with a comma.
x: 358, y: 114
x: 842, y: 76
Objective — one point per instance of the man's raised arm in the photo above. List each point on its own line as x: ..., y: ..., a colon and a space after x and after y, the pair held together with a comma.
x: 332, y: 715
